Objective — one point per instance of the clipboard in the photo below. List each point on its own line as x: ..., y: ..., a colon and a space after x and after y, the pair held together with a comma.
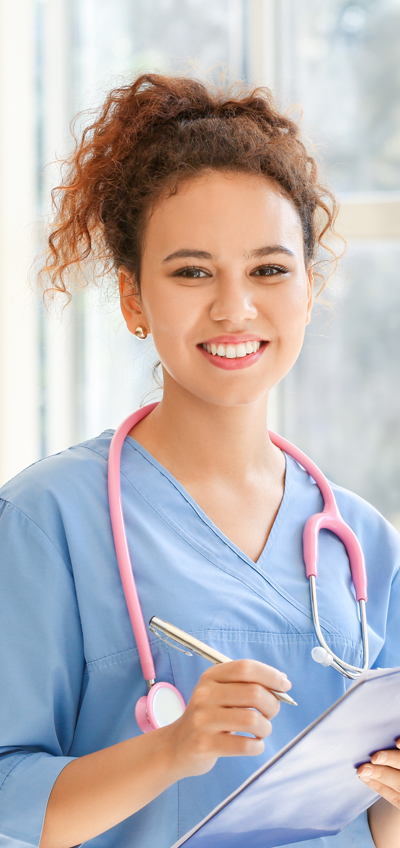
x: 310, y: 788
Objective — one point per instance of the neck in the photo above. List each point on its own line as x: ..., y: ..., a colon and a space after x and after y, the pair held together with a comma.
x: 195, y: 438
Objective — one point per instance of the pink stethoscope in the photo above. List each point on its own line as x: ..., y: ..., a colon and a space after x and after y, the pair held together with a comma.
x: 164, y: 704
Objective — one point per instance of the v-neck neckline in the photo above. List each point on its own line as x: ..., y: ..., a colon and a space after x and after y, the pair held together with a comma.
x: 265, y: 554
x: 262, y: 569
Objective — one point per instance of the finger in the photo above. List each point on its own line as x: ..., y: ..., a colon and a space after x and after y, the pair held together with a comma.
x: 250, y: 671
x: 384, y: 775
x: 239, y: 746
x: 387, y: 792
x: 235, y: 720
x: 250, y: 695
x: 389, y: 757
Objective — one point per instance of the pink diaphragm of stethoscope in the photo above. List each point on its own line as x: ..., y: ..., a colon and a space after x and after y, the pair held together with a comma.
x: 163, y: 704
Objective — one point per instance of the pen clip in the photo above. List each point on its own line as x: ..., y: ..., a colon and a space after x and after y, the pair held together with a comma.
x: 167, y: 642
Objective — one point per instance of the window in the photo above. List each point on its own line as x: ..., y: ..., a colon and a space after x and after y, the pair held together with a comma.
x: 340, y: 403
x: 64, y: 380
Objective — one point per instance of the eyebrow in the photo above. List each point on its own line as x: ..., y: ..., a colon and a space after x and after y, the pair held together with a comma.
x: 266, y: 251
x: 185, y: 253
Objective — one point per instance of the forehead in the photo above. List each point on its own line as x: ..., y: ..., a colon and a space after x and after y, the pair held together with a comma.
x: 223, y: 211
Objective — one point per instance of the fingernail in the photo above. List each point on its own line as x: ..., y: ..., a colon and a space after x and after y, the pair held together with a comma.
x: 366, y: 774
x: 285, y: 684
x: 380, y: 758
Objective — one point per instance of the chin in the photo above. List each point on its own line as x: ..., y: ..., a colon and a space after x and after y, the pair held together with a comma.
x: 244, y: 397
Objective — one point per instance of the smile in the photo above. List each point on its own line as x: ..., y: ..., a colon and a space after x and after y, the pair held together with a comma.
x: 232, y: 351
x: 233, y: 357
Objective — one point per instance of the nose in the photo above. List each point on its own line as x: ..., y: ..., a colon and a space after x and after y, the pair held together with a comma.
x: 232, y: 302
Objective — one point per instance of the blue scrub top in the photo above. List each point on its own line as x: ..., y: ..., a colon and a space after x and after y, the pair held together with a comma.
x: 69, y: 668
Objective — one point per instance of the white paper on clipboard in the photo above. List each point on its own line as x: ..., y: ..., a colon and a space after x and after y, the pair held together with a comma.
x: 310, y: 788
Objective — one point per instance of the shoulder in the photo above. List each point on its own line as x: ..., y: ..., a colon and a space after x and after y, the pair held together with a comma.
x: 379, y: 539
x: 362, y: 515
x: 57, y: 485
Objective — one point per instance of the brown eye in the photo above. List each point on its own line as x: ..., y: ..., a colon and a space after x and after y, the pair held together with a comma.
x: 268, y: 271
x: 191, y: 273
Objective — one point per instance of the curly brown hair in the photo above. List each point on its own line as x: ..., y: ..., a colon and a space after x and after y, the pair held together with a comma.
x: 151, y: 135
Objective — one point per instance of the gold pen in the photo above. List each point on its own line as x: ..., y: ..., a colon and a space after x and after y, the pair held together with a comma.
x: 158, y: 626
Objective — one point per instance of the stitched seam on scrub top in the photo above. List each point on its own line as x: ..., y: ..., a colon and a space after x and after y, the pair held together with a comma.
x: 42, y: 533
x: 121, y: 657
x: 127, y: 655
x: 256, y: 637
x: 249, y: 636
x: 22, y: 757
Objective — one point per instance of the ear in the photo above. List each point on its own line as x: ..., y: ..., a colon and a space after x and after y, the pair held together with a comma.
x: 130, y: 301
x: 310, y: 287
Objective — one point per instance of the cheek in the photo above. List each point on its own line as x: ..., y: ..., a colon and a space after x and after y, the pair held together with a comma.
x: 173, y: 312
x: 288, y: 309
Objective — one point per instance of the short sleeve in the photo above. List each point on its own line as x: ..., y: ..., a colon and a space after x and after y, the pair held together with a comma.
x: 41, y: 673
x: 389, y: 656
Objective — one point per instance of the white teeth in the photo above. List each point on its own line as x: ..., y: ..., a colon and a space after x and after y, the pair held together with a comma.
x: 232, y: 351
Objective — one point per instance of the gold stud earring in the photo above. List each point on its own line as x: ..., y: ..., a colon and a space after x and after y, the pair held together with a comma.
x: 140, y: 333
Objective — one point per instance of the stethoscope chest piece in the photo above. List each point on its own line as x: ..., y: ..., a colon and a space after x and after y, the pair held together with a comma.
x: 162, y: 706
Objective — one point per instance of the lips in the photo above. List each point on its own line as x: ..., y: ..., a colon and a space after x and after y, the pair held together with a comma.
x: 234, y: 353
x: 234, y: 339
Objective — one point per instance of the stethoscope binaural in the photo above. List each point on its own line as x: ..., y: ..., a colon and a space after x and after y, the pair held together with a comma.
x: 164, y: 704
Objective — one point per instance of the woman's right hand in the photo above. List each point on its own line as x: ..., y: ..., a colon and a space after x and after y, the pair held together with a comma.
x: 99, y: 790
x: 230, y: 698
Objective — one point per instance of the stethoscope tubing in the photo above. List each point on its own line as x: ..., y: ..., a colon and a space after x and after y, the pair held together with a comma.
x: 339, y: 664
x: 121, y: 542
x: 329, y: 519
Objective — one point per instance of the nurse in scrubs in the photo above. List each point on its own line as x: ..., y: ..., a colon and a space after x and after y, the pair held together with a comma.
x: 210, y: 211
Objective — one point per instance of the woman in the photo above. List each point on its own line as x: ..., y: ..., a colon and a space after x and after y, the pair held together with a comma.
x: 209, y: 209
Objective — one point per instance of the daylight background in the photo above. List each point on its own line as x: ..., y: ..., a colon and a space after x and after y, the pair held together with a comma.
x: 63, y: 379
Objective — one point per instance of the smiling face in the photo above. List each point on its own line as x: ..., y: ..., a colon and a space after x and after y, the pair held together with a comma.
x: 225, y: 290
